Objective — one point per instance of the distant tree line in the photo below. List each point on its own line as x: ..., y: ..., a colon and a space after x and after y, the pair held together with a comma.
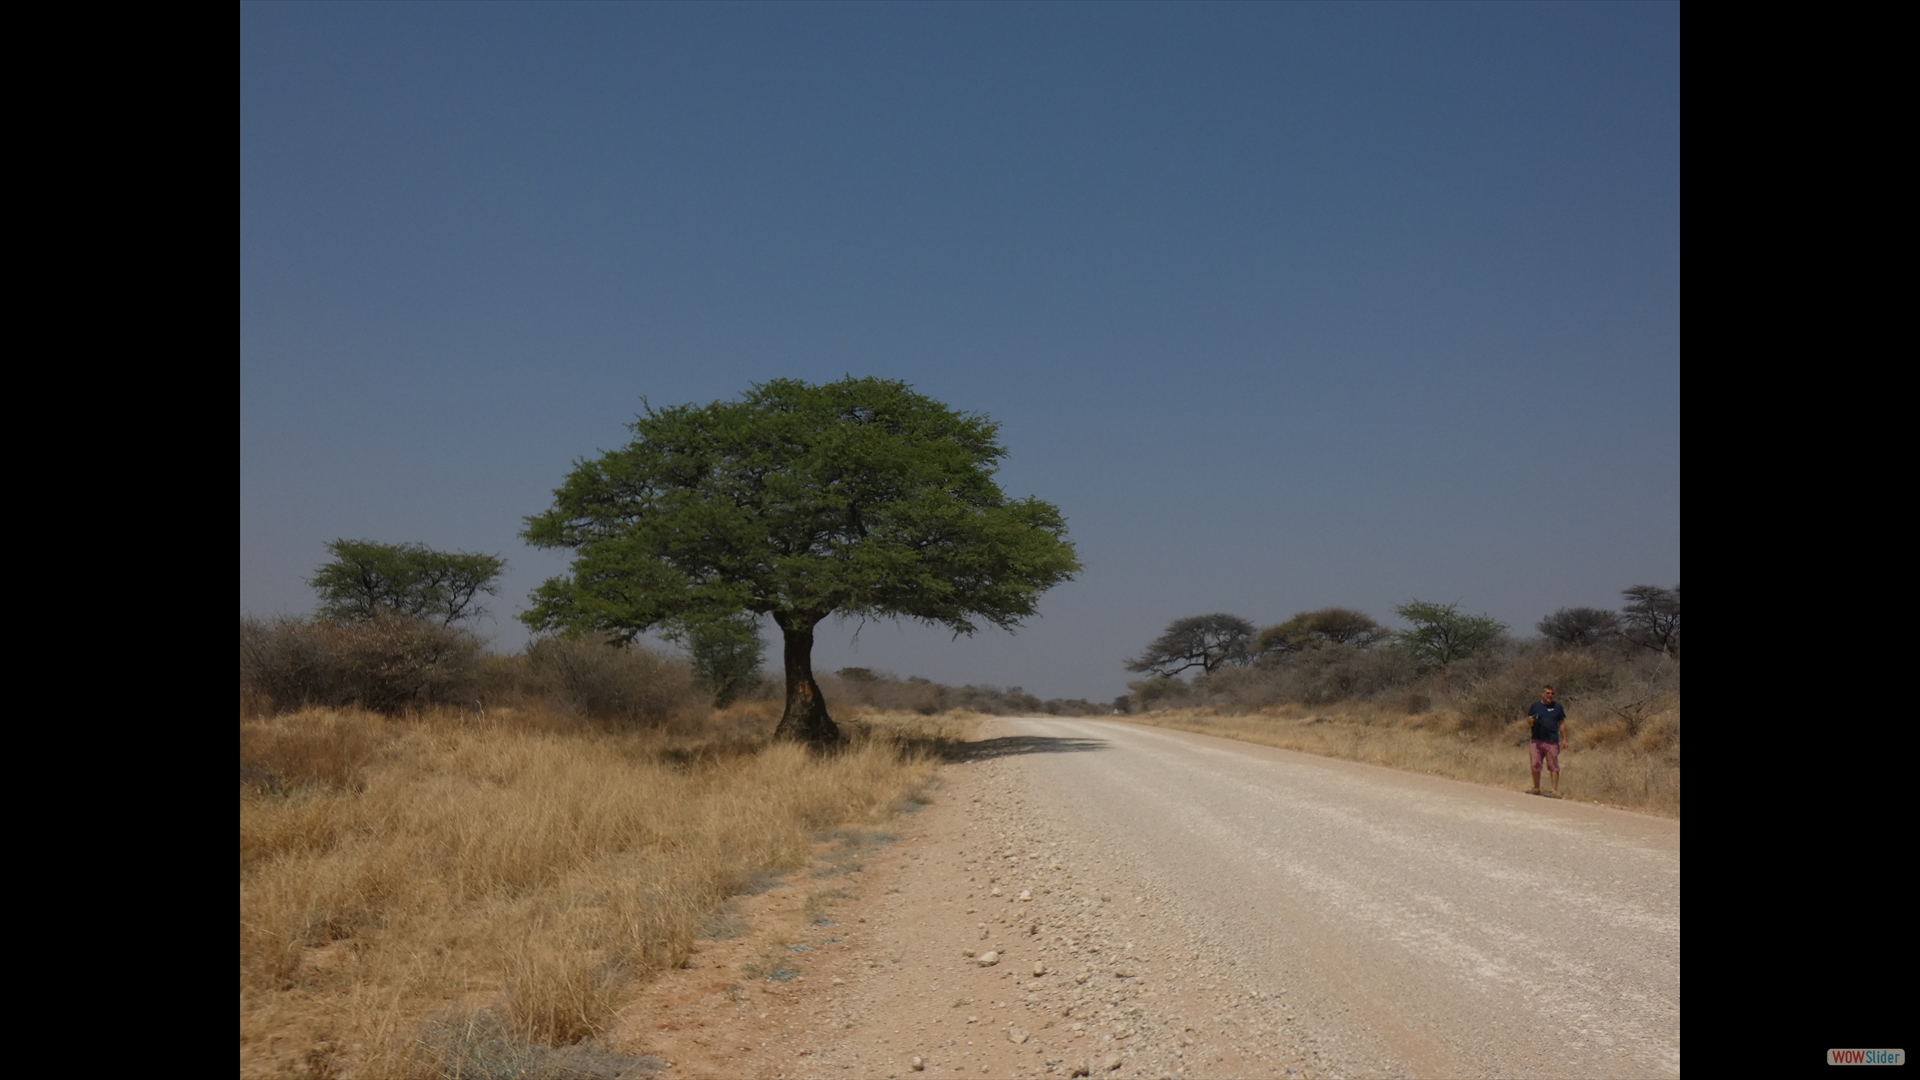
x: 1650, y: 619
x: 1438, y: 635
x: 1338, y: 653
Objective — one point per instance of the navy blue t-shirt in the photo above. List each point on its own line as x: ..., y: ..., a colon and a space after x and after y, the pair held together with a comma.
x: 1547, y: 720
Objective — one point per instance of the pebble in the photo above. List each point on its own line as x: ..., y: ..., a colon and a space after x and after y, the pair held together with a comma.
x: 988, y: 958
x: 918, y: 1065
x: 1018, y: 1035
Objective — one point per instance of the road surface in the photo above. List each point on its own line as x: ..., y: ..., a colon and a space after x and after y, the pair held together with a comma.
x: 1421, y: 926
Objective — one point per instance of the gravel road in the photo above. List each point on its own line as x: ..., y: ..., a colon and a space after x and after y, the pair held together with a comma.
x: 1407, y: 925
x: 1094, y: 898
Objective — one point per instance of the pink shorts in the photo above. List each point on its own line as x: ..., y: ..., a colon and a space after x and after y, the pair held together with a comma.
x: 1548, y: 752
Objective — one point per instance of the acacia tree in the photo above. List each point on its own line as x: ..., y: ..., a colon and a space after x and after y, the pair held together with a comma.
x: 365, y: 579
x: 1441, y: 634
x: 858, y: 497
x: 1580, y: 627
x: 1203, y: 641
x: 1652, y: 617
x: 1319, y: 629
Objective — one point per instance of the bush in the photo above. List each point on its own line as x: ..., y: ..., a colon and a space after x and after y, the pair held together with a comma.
x: 629, y: 686
x: 388, y: 664
x: 1163, y: 693
x: 1644, y: 690
x: 726, y: 657
x: 1341, y: 672
x: 1317, y: 676
x: 1498, y: 693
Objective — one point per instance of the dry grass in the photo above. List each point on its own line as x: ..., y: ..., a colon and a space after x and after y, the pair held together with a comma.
x: 1635, y: 766
x: 402, y: 877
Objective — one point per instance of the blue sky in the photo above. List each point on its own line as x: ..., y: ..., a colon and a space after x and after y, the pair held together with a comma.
x: 1284, y: 305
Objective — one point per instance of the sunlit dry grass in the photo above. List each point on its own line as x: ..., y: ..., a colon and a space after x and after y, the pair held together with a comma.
x: 394, y: 873
x: 1609, y: 762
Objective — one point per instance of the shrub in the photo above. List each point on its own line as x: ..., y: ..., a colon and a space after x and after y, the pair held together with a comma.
x: 1340, y: 672
x: 388, y: 664
x: 1498, y: 693
x: 628, y: 685
x: 1317, y: 676
x: 726, y: 657
x: 1162, y: 693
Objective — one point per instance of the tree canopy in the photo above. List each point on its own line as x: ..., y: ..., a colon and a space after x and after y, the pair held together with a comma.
x: 1442, y: 635
x: 1203, y: 641
x: 858, y: 497
x: 1318, y: 629
x: 1580, y: 627
x: 365, y: 579
x: 1652, y: 617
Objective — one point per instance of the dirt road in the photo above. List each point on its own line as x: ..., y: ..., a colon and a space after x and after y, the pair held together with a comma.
x: 1167, y: 904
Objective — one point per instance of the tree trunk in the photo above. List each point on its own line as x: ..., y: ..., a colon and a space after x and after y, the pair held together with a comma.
x: 805, y: 719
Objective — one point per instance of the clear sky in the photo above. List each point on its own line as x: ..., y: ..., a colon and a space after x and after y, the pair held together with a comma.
x: 1284, y: 305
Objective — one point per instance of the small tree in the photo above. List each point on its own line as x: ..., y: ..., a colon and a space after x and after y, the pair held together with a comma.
x: 1442, y: 635
x: 1202, y: 641
x: 1319, y: 629
x: 726, y: 655
x: 858, y: 497
x: 364, y: 580
x: 1580, y: 627
x: 1652, y: 617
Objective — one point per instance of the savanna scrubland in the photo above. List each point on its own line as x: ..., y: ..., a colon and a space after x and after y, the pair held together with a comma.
x: 461, y: 864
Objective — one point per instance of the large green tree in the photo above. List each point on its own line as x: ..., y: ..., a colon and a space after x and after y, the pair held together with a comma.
x: 858, y: 497
x: 365, y: 579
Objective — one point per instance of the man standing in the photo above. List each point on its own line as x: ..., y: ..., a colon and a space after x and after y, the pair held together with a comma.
x: 1549, y: 735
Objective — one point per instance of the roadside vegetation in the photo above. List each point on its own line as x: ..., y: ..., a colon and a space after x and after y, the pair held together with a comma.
x: 1446, y: 696
x: 454, y: 864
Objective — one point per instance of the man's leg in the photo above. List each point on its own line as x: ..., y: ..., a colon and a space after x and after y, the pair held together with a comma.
x: 1536, y: 779
x: 1553, y: 765
x: 1533, y: 762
